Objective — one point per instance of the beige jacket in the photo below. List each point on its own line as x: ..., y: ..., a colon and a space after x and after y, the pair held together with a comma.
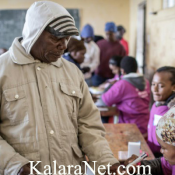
x: 46, y: 112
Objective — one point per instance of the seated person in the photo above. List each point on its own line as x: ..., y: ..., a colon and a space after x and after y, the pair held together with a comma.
x: 165, y: 133
x: 163, y: 87
x: 75, y: 52
x: 131, y: 95
x: 114, y: 65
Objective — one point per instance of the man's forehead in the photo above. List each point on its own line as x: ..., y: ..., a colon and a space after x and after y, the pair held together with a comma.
x: 52, y: 35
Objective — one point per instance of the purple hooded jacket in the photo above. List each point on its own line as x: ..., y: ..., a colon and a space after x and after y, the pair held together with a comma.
x: 132, y: 103
x: 156, y: 112
x: 167, y: 168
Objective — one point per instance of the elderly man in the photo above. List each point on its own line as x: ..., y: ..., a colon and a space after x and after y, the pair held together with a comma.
x: 46, y: 111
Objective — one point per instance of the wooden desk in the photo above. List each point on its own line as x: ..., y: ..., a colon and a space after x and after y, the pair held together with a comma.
x: 118, y: 136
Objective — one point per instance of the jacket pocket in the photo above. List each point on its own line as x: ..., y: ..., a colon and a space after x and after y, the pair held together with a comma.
x: 72, y: 95
x: 15, y: 106
x: 77, y: 151
x: 78, y: 156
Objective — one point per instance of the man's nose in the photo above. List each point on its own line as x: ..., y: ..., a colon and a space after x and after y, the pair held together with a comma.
x: 63, y: 44
x: 155, y: 89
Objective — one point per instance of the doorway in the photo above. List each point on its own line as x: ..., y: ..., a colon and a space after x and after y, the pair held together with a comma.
x: 141, y: 37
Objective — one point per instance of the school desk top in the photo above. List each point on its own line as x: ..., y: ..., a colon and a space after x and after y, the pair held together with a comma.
x: 118, y: 136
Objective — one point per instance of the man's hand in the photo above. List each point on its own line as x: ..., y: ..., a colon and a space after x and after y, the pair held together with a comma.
x: 131, y: 159
x: 118, y: 171
x: 25, y: 170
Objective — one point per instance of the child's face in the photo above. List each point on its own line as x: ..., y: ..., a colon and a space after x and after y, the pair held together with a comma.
x: 161, y: 86
x: 168, y: 151
x: 115, y: 69
x: 78, y: 56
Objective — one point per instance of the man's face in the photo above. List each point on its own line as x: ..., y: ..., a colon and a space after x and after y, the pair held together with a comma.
x: 167, y: 150
x: 49, y: 48
x: 110, y: 36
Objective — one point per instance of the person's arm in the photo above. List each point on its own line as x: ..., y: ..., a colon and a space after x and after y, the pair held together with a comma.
x: 115, y: 94
x: 10, y: 161
x: 91, y: 131
x: 95, y: 59
x: 155, y: 165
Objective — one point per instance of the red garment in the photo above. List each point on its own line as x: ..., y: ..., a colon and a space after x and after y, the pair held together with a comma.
x: 124, y: 43
x: 107, y: 50
x: 111, y: 119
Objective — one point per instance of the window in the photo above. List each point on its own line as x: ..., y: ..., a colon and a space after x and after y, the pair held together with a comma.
x: 168, y: 3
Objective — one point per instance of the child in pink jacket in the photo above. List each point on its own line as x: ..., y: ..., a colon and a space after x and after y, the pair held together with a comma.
x: 163, y: 87
x: 131, y: 95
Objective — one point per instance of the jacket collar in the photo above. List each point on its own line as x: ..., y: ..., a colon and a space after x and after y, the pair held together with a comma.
x: 19, y: 55
x: 169, y: 102
x: 132, y: 75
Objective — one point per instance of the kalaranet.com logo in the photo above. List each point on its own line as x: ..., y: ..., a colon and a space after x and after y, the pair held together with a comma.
x: 66, y: 170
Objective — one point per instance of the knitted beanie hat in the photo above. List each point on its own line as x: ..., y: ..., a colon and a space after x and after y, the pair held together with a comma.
x: 110, y: 27
x: 87, y: 31
x: 165, y: 129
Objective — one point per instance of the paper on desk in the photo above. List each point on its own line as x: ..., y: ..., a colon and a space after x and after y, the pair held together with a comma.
x: 122, y: 155
x: 89, y: 172
x: 100, y: 103
x: 96, y: 90
x: 134, y: 148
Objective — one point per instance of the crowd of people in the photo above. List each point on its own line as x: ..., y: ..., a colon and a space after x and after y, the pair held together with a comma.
x: 47, y: 111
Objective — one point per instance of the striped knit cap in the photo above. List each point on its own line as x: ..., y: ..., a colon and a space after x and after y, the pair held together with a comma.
x: 165, y: 129
x: 62, y: 27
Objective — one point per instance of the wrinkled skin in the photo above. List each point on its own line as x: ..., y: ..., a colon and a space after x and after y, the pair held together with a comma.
x: 49, y: 48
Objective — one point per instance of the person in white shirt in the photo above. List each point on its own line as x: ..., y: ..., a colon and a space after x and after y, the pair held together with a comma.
x: 92, y: 55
